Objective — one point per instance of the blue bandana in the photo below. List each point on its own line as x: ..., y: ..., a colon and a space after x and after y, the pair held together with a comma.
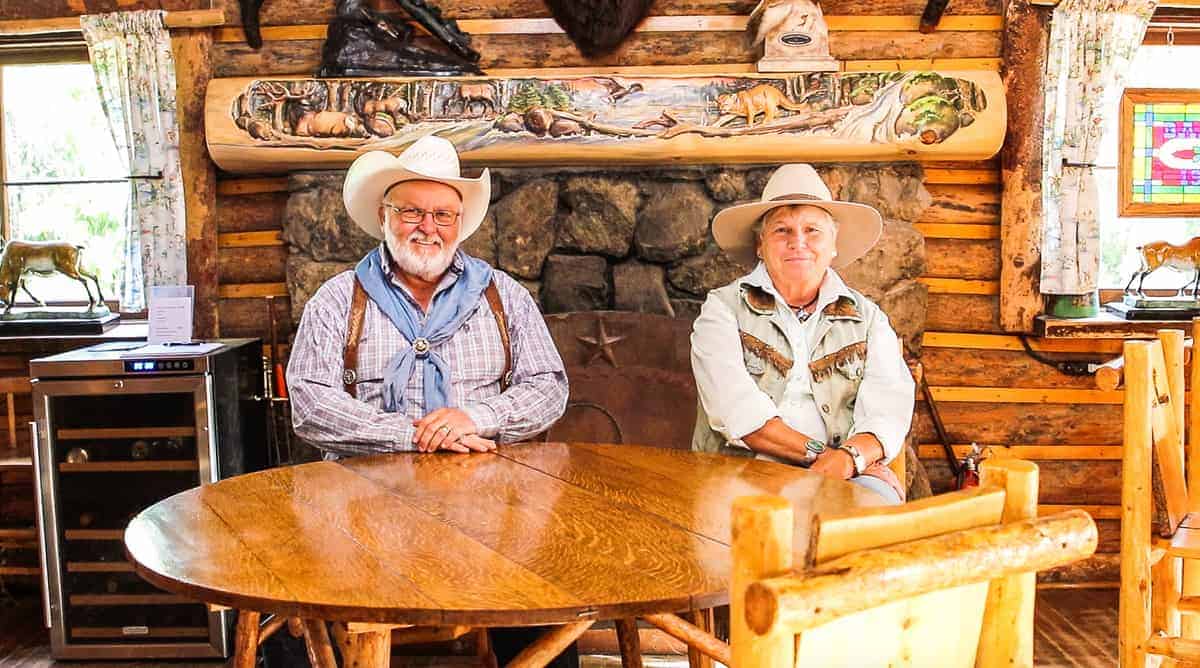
x: 447, y: 312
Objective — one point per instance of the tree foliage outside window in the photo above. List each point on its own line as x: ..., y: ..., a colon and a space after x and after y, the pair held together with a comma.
x: 1154, y: 67
x: 54, y: 131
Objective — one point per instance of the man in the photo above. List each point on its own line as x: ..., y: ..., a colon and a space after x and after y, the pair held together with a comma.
x: 423, y: 347
x: 430, y: 360
x: 791, y: 364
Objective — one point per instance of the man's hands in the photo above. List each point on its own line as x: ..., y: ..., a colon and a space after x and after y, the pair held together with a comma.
x: 835, y: 463
x: 449, y: 429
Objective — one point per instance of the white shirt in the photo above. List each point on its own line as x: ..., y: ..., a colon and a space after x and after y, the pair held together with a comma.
x: 736, y: 406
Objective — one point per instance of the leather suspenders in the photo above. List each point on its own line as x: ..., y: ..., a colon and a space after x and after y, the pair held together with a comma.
x: 497, y: 306
x: 358, y: 313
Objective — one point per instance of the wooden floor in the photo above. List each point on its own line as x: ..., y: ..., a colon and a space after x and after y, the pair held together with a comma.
x: 1075, y: 628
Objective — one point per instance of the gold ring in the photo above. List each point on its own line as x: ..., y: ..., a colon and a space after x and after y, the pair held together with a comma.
x: 445, y: 428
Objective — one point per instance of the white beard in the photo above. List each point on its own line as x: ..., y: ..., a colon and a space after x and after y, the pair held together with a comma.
x: 427, y: 266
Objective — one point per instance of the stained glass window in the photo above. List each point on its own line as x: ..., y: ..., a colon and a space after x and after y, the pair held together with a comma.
x: 1160, y: 152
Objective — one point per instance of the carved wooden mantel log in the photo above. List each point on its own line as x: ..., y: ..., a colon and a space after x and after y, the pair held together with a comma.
x: 278, y: 125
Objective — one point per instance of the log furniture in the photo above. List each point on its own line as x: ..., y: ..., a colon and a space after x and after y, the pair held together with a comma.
x: 945, y: 581
x: 550, y: 533
x: 1160, y: 577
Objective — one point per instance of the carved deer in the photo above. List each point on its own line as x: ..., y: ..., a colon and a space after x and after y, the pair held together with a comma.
x: 1158, y: 254
x: 472, y: 95
x: 311, y: 115
x: 277, y: 96
x: 41, y: 258
x: 383, y: 114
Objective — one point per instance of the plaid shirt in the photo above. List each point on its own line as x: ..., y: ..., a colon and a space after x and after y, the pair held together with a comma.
x: 324, y: 414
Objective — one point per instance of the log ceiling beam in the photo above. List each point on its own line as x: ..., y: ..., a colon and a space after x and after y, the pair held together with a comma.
x: 984, y: 22
x: 198, y: 18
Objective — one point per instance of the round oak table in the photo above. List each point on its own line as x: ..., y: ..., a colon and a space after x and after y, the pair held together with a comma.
x: 540, y: 533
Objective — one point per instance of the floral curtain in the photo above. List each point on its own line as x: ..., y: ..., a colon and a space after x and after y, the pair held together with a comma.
x: 1092, y: 44
x: 130, y: 53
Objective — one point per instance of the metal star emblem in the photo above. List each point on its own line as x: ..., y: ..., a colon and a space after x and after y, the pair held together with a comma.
x: 601, y: 343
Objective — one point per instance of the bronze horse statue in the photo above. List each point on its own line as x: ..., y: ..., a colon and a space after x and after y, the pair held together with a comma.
x: 1158, y: 254
x: 42, y: 258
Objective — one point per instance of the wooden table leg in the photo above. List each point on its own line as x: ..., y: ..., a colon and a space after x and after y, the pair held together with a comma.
x: 269, y: 627
x: 316, y: 640
x: 696, y: 638
x: 703, y: 619
x: 630, y: 643
x: 246, y: 641
x: 364, y: 649
x: 483, y: 648
x: 550, y: 645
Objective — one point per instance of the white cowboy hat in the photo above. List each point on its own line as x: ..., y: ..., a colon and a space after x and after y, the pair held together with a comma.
x: 859, y: 225
x: 430, y: 158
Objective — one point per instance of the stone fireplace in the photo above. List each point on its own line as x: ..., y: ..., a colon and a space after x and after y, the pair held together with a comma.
x: 628, y: 240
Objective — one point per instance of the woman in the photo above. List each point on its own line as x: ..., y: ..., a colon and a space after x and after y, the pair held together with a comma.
x: 820, y: 380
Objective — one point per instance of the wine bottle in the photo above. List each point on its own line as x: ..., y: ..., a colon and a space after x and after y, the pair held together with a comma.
x: 139, y: 449
x: 173, y: 448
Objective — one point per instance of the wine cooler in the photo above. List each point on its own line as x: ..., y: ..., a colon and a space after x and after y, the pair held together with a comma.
x: 120, y: 426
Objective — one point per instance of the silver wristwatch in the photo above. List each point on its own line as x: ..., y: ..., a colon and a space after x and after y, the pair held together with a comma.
x: 860, y: 462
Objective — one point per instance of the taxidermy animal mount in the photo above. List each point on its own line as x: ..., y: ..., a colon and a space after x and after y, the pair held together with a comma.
x: 598, y: 26
x: 794, y: 36
x: 363, y: 42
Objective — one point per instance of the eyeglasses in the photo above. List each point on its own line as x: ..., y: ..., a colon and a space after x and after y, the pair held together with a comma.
x: 411, y: 214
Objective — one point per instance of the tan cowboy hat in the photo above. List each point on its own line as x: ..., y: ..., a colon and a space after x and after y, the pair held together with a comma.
x: 859, y: 225
x: 430, y: 158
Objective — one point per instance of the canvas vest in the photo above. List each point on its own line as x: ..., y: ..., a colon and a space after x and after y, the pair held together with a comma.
x: 836, y: 363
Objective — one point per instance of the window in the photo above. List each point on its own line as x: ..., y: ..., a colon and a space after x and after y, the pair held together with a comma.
x: 62, y: 177
x: 1156, y: 66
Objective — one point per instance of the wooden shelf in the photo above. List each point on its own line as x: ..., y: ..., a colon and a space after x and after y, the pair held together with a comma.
x: 109, y: 467
x: 15, y: 459
x: 128, y: 599
x: 19, y: 535
x: 94, y: 534
x: 99, y: 567
x: 1103, y: 326
x: 144, y: 432
x: 20, y: 570
x: 127, y: 330
x: 151, y: 632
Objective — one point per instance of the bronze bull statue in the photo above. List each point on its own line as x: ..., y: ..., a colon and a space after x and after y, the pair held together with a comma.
x: 41, y: 258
